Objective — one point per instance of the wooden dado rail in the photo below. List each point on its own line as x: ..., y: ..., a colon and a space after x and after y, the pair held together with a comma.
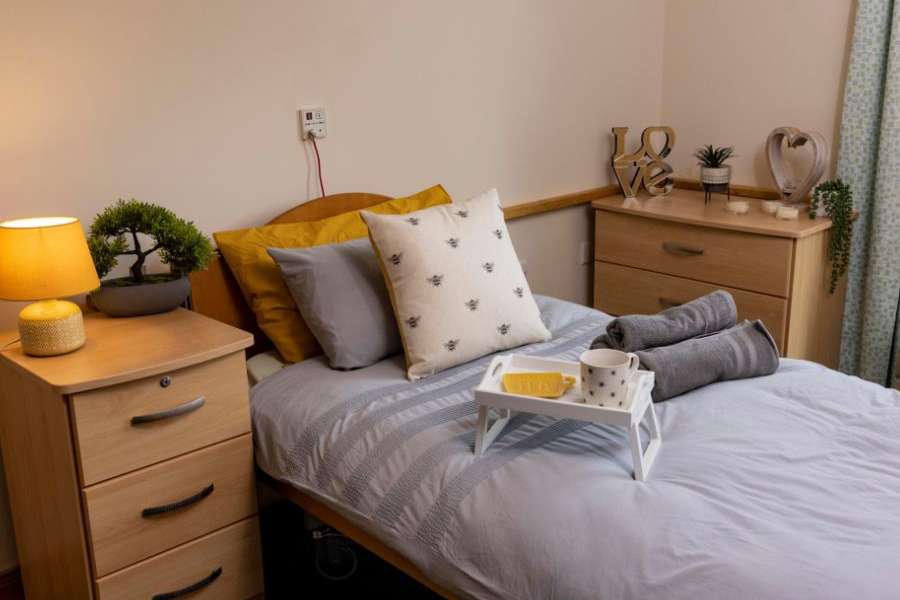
x: 536, y: 207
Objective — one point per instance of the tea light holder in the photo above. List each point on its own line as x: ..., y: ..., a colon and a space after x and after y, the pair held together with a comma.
x: 738, y: 207
x: 770, y: 206
x: 787, y: 213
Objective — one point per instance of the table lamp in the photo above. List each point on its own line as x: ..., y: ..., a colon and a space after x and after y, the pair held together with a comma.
x: 43, y: 259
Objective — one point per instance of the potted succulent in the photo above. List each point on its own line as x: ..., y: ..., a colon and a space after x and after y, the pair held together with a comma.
x: 712, y: 163
x: 836, y: 199
x: 115, y: 232
x: 715, y: 175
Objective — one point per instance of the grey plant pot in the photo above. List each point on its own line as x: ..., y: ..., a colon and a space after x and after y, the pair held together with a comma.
x: 716, y: 176
x: 141, y: 299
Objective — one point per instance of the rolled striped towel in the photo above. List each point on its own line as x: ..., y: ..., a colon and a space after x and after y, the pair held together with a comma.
x: 746, y: 350
x: 707, y: 314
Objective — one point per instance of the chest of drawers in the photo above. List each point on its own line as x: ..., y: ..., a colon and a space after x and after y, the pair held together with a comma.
x: 129, y: 462
x: 653, y: 253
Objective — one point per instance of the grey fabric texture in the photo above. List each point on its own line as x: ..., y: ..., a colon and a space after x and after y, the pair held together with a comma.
x: 707, y: 314
x: 782, y: 486
x: 341, y: 295
x: 746, y: 350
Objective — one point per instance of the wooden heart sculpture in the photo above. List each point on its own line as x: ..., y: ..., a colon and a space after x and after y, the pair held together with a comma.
x: 796, y: 138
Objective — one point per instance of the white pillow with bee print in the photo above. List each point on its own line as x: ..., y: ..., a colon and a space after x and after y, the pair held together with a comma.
x: 455, y: 282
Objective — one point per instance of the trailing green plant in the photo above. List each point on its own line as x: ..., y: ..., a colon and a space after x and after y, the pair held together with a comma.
x: 836, y: 198
x: 713, y: 157
x: 115, y: 232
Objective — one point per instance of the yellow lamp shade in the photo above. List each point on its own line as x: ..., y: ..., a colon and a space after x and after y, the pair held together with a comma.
x: 44, y: 258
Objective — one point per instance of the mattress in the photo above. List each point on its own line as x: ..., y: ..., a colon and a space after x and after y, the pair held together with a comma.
x: 785, y: 486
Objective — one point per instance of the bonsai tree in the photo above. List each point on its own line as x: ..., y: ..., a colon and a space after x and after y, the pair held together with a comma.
x: 115, y: 232
x: 837, y: 199
x: 711, y: 157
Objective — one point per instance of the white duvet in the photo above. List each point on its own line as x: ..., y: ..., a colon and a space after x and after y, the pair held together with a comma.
x: 786, y: 486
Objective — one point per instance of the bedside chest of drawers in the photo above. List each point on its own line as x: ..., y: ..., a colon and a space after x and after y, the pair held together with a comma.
x: 655, y: 252
x: 129, y: 462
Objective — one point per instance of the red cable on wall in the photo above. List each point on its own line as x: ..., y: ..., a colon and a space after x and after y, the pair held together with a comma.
x: 318, y: 163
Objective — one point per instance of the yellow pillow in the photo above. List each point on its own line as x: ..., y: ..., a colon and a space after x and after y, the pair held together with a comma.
x: 260, y: 280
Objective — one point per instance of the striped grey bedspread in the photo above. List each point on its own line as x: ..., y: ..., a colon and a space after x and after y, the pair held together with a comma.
x: 785, y: 486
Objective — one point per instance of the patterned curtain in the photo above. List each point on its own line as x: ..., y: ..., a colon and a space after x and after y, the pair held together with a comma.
x: 869, y: 161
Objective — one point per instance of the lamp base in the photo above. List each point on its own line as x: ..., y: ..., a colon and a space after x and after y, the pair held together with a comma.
x: 51, y: 327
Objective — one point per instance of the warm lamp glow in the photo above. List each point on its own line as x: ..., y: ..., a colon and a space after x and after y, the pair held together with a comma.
x: 37, y: 222
x: 44, y: 258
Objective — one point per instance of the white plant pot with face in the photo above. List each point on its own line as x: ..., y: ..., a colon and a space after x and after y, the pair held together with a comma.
x: 718, y: 175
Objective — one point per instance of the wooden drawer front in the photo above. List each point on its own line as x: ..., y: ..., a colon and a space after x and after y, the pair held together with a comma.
x: 622, y: 290
x: 109, y: 444
x: 119, y: 533
x: 727, y: 258
x: 235, y: 550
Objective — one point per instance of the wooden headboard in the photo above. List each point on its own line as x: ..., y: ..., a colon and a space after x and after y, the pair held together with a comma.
x: 215, y: 292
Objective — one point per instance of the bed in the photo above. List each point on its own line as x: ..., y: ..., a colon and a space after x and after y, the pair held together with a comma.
x: 782, y: 486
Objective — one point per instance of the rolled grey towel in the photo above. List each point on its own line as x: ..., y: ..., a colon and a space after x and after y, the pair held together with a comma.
x: 707, y: 314
x: 746, y: 350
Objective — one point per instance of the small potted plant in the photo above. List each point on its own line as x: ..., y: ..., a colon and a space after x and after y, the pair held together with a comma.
x: 116, y: 232
x: 715, y: 175
x: 836, y: 199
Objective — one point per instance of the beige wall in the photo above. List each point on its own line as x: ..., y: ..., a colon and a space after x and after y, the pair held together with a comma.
x: 193, y: 105
x: 735, y: 70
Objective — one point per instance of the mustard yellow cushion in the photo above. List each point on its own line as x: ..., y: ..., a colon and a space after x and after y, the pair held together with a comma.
x: 261, y: 282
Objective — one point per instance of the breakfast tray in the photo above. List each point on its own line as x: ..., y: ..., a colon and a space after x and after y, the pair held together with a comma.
x: 490, y: 395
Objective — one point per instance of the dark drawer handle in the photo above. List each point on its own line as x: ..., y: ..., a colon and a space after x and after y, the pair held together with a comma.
x: 191, y: 588
x: 181, y: 409
x: 682, y: 249
x: 167, y: 508
x: 669, y: 303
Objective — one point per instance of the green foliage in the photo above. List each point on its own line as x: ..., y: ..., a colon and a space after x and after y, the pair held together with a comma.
x: 179, y: 242
x: 104, y: 252
x: 837, y: 199
x: 713, y: 157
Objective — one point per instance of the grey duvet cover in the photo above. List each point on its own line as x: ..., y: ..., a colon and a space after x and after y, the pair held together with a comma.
x: 786, y: 486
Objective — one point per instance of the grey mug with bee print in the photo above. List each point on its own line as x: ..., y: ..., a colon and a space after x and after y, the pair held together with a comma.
x: 605, y: 374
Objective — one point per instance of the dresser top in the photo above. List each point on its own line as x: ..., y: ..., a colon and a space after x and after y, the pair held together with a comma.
x: 124, y: 349
x: 686, y: 206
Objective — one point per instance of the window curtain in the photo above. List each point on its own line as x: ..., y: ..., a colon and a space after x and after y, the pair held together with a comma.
x: 869, y: 161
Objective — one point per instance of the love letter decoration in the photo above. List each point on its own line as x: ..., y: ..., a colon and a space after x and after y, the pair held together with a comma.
x: 652, y: 170
x: 796, y: 138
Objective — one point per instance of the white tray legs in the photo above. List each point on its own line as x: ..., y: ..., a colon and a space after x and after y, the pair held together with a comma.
x: 488, y: 430
x: 643, y: 460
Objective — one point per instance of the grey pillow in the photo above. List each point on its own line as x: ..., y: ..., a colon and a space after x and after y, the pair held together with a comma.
x: 341, y: 295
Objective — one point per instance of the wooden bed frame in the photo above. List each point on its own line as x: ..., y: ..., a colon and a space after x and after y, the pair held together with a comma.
x: 215, y: 293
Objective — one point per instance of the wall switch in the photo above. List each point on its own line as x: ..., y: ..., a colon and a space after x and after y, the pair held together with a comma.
x: 584, y: 254
x: 312, y: 119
